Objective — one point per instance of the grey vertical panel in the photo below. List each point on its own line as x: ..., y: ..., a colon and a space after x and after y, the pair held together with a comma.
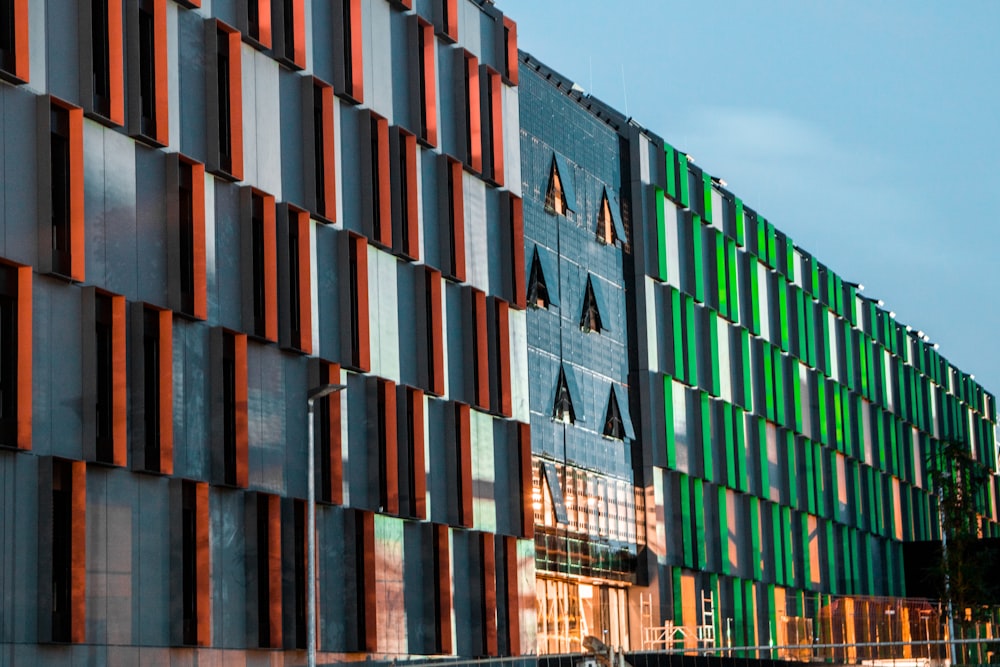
x: 332, y: 574
x: 269, y: 120
x: 407, y: 344
x: 38, y: 56
x: 294, y: 438
x: 230, y: 276
x: 228, y: 557
x: 402, y: 69
x: 62, y: 44
x: 94, y: 231
x: 458, y: 325
x: 430, y: 174
x: 150, y: 556
x: 477, y: 254
x: 292, y: 92
x: 451, y: 138
x: 353, y: 128
x: 323, y: 41
x: 192, y: 433
x: 151, y: 225
x: 489, y: 27
x: 469, y: 31
x: 122, y: 271
x: 378, y: 58
x: 173, y: 75
x: 192, y: 57
x: 512, y: 139
x: 250, y: 61
x: 386, y: 324
x: 466, y: 565
x: 65, y: 373
x: 328, y: 243
x: 437, y: 456
x: 362, y: 442
x: 267, y: 407
x: 227, y: 10
x: 20, y: 174
x: 417, y: 577
x: 120, y: 503
x: 97, y: 557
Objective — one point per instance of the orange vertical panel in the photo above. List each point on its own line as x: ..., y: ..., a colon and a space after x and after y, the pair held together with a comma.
x: 366, y: 530
x: 517, y: 251
x: 203, y: 589
x: 359, y: 260
x: 502, y: 362
x: 119, y: 386
x: 510, y: 50
x: 235, y: 102
x: 301, y: 221
x: 487, y: 544
x: 357, y: 74
x: 263, y: 22
x: 473, y: 128
x: 451, y: 19
x: 429, y: 88
x: 457, y: 215
x: 329, y: 155
x: 198, y: 240
x: 330, y: 374
x: 513, y: 599
x: 22, y: 52
x: 299, y: 31
x: 78, y: 552
x: 496, y: 125
x: 480, y: 361
x: 463, y: 445
x: 242, y: 416
x: 24, y: 351
x: 388, y: 442
x: 270, y: 270
x: 436, y: 334
x: 384, y: 203
x: 410, y: 206
x: 442, y: 587
x: 165, y: 379
x: 77, y: 268
x: 415, y: 397
x: 161, y: 94
x: 524, y: 462
x: 116, y: 62
x: 273, y: 582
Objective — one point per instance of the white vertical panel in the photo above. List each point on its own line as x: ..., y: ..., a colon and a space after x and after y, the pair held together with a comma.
x: 889, y: 393
x: 314, y: 291
x: 248, y: 74
x: 378, y: 57
x: 511, y: 140
x: 484, y: 510
x: 644, y: 148
x: 211, y: 283
x: 797, y: 265
x: 268, y: 125
x: 836, y: 332
x: 718, y: 210
x: 725, y: 373
x: 173, y: 78
x: 763, y: 282
x: 518, y: 323
x: 477, y: 254
x: 652, y: 334
x: 672, y: 243
x: 383, y: 314
x: 469, y: 35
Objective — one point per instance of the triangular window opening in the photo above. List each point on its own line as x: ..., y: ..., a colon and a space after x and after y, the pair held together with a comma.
x: 555, y: 198
x: 605, y: 224
x: 590, y: 319
x: 562, y: 410
x: 538, y: 291
x: 614, y: 427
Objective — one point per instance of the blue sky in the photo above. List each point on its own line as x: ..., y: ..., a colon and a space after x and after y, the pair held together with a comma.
x: 869, y: 132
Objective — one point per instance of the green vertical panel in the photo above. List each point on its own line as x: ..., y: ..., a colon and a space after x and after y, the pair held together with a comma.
x: 670, y: 156
x: 838, y: 417
x: 661, y: 233
x: 779, y: 551
x: 724, y: 531
x: 796, y: 389
x: 740, y: 223
x: 772, y: 246
x: 877, y: 426
x: 765, y: 474
x: 850, y: 379
x: 783, y: 312
x: 721, y: 274
x: 870, y: 356
x: 810, y: 473
x: 678, y: 304
x: 779, y: 387
x: 789, y: 554
x: 862, y: 357
x: 755, y: 552
x: 668, y: 421
x: 801, y: 330
x: 699, y: 258
x: 684, y: 483
x: 739, y: 423
x: 846, y: 553
x: 793, y: 469
x: 838, y: 302
x: 762, y: 239
x: 824, y: 332
x: 678, y: 597
x: 698, y: 486
x: 832, y: 558
x: 706, y: 182
x: 754, y: 323
x: 713, y: 342
x: 824, y: 429
x: 734, y: 281
x: 732, y: 466
x: 683, y: 192
x: 809, y: 322
x: 874, y: 515
x: 855, y: 562
x: 768, y: 381
x: 790, y: 258
x: 813, y: 282
x: 691, y: 340
x: 705, y: 413
x: 749, y: 597
x: 747, y: 373
x: 851, y: 307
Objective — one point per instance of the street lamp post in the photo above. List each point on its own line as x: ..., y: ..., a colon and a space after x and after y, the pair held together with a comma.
x: 315, y: 393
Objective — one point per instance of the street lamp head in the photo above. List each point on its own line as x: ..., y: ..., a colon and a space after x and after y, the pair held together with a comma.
x: 324, y: 390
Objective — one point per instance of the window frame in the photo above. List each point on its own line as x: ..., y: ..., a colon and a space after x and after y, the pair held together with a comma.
x: 152, y: 326
x: 403, y: 156
x: 295, y: 278
x: 187, y: 266
x: 224, y: 83
x: 105, y: 391
x: 293, y: 12
x: 377, y: 186
x: 105, y: 61
x: 155, y: 128
x: 348, y: 31
x: 258, y: 240
x: 355, y: 344
x: 451, y: 193
x: 321, y: 160
x: 190, y: 563
x: 492, y: 126
x: 230, y: 420
x: 16, y: 300
x: 61, y: 253
x: 423, y: 77
x: 15, y: 63
x: 63, y: 550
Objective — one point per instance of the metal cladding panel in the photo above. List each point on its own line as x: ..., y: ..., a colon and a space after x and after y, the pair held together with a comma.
x: 360, y: 475
x: 111, y: 541
x: 597, y: 287
x: 378, y: 63
x: 409, y: 347
x: 229, y: 543
x: 322, y: 39
x: 56, y: 426
x: 229, y: 273
x: 433, y: 227
x: 20, y: 125
x: 290, y: 140
x: 399, y: 65
x: 327, y: 262
x: 151, y: 551
x: 384, y: 313
x: 61, y: 44
x: 120, y: 193
x: 262, y: 107
x: 353, y: 179
x: 191, y: 90
x: 151, y: 226
x: 267, y: 418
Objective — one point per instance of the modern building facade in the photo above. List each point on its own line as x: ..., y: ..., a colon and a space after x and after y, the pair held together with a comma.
x: 210, y: 207
x: 586, y: 386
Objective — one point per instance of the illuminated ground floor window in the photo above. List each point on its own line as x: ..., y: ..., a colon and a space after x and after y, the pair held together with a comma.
x: 569, y: 611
